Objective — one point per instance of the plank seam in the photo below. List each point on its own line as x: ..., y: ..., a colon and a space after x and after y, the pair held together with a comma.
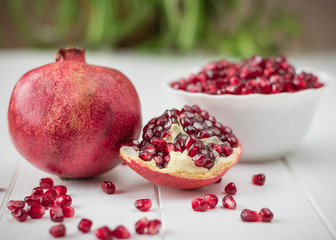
x: 9, y: 191
x: 311, y: 200
x: 157, y: 198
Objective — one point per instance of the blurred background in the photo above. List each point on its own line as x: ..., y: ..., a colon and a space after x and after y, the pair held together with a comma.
x: 237, y: 28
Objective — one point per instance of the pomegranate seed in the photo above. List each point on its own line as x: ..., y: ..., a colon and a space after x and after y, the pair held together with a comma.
x: 85, y: 225
x: 38, y: 191
x: 258, y: 179
x: 64, y: 200
x: 108, y: 187
x: 141, y: 225
x: 230, y: 188
x: 15, y: 204
x: 219, y: 180
x: 250, y: 216
x: 121, y: 232
x: 143, y: 204
x: 229, y: 202
x: 20, y: 215
x: 211, y: 200
x: 154, y: 226
x: 32, y: 200
x: 36, y: 211
x: 57, y: 230
x: 60, y: 189
x: 68, y: 212
x: 51, y: 193
x: 47, y: 201
x: 46, y: 183
x: 199, y: 204
x: 104, y: 233
x: 56, y: 214
x: 266, y: 215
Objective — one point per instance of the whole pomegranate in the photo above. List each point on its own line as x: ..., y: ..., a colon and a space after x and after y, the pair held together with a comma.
x: 70, y: 118
x: 184, y: 149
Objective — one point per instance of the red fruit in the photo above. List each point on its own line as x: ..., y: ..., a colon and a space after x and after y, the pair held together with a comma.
x: 104, y: 233
x: 258, y: 179
x: 229, y: 202
x: 108, y: 187
x: 60, y: 189
x: 68, y: 212
x: 153, y: 227
x: 211, y: 200
x: 47, y: 201
x: 64, y: 200
x: 46, y: 183
x: 141, y: 226
x: 15, y: 204
x: 85, y: 225
x: 38, y: 191
x: 56, y: 214
x: 185, y: 149
x: 254, y: 75
x: 121, y: 232
x: 199, y: 205
x: 230, y: 188
x: 20, y: 215
x: 70, y: 118
x: 143, y: 204
x: 36, y: 211
x: 266, y: 215
x: 250, y: 216
x: 51, y: 193
x: 57, y: 230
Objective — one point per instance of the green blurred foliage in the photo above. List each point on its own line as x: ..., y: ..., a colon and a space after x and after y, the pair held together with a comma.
x: 218, y: 26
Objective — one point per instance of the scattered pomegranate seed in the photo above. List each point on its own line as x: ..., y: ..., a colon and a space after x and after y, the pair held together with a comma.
x: 60, y: 189
x: 211, y: 200
x: 219, y: 180
x: 64, y: 200
x: 12, y: 204
x: 108, y: 187
x: 20, y: 215
x: 47, y: 201
x: 36, y: 211
x: 143, y: 204
x: 141, y: 225
x: 121, y: 232
x: 32, y: 200
x: 68, y: 211
x: 51, y: 193
x: 199, y: 204
x: 250, y: 216
x: 153, y: 227
x: 230, y: 188
x: 258, y: 179
x: 85, y: 225
x: 57, y: 231
x: 266, y: 215
x: 104, y: 233
x: 56, y: 214
x: 229, y: 202
x: 46, y: 183
x: 37, y: 191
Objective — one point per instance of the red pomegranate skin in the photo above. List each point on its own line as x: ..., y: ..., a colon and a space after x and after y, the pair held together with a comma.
x: 70, y: 118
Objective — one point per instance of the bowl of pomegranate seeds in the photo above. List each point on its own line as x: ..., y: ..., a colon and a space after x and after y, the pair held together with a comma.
x: 267, y: 102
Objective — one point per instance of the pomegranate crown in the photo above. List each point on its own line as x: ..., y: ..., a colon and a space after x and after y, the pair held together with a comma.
x: 70, y: 54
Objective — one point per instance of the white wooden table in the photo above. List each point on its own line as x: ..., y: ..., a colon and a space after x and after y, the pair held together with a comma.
x: 300, y: 189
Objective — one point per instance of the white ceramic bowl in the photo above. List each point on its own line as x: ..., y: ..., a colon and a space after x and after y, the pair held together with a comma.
x: 268, y: 126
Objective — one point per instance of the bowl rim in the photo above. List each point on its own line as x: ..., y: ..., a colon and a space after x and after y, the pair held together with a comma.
x: 324, y: 77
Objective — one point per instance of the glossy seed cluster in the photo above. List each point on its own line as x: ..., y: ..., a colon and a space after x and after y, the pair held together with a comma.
x: 197, y: 124
x: 254, y: 75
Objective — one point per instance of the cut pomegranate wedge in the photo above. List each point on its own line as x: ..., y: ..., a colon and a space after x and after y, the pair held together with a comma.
x: 183, y: 149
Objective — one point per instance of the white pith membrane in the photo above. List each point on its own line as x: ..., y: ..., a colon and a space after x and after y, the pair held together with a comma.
x: 181, y: 164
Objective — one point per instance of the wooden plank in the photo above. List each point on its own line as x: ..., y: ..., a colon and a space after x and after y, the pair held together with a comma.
x: 294, y: 217
x: 88, y: 200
